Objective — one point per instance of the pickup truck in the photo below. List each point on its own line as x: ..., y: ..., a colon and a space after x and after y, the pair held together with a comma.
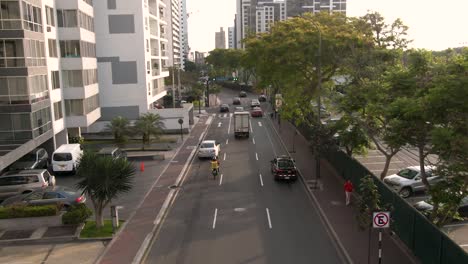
x: 241, y: 124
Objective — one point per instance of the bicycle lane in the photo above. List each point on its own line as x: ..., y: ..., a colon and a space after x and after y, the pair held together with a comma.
x: 129, y: 243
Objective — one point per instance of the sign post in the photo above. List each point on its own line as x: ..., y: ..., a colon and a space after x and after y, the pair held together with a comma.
x: 181, y: 121
x: 381, y: 220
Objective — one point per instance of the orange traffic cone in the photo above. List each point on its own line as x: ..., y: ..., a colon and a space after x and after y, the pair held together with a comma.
x: 142, y: 166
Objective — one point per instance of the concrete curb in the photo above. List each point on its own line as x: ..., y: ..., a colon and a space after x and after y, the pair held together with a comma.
x: 344, y: 255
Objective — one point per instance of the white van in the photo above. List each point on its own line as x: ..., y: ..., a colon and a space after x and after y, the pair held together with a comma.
x: 66, y: 158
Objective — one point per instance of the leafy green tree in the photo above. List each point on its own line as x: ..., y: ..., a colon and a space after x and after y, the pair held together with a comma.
x: 368, y: 203
x: 351, y: 136
x: 148, y: 125
x: 119, y: 127
x: 103, y: 179
x: 190, y: 66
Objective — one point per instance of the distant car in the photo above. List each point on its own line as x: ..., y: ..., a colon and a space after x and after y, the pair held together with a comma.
x: 236, y: 101
x: 36, y: 159
x: 113, y: 152
x: 283, y: 168
x: 208, y: 149
x: 242, y: 94
x: 262, y: 98
x: 24, y: 181
x: 224, y: 108
x: 239, y: 109
x: 255, y: 103
x: 426, y: 207
x: 47, y: 196
x: 408, y: 181
x: 256, y: 112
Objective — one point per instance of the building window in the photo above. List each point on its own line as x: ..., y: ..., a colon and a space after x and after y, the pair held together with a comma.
x: 79, y: 78
x: 10, y: 15
x: 50, y: 19
x: 70, y: 48
x: 86, y: 22
x: 32, y: 18
x: 58, y: 113
x: 89, y: 2
x: 52, y: 48
x: 55, y: 79
x: 67, y: 18
x: 91, y: 103
x: 74, y: 107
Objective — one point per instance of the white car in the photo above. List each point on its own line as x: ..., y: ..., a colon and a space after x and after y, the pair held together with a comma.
x: 255, y: 103
x: 208, y: 149
x: 408, y: 181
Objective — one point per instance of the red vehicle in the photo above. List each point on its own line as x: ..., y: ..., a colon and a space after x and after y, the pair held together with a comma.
x: 283, y: 168
x: 256, y: 112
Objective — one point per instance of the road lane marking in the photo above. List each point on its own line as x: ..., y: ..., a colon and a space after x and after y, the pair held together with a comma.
x: 269, y: 219
x: 209, y: 120
x: 225, y: 115
x: 214, y: 219
x: 200, y: 138
x: 221, y: 179
x: 224, y: 158
x: 464, y: 245
x: 229, y: 127
x: 261, y: 180
x: 251, y: 129
x: 227, y: 141
x: 259, y: 123
x: 230, y: 114
x: 256, y: 156
x: 271, y: 142
x: 253, y: 140
x: 219, y: 124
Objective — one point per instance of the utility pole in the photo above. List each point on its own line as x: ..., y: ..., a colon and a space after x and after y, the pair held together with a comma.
x: 208, y: 92
x: 173, y: 86
x: 178, y: 81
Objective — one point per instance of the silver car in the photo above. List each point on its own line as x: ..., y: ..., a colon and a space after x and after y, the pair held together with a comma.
x: 408, y: 181
x: 25, y: 181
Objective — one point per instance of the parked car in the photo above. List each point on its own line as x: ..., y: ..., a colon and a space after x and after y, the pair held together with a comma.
x: 224, y: 108
x: 208, y: 149
x: 426, y: 207
x: 24, y: 181
x: 254, y: 103
x: 36, y: 159
x: 113, y: 152
x: 256, y: 112
x: 283, y: 168
x: 408, y: 181
x: 66, y: 158
x: 239, y: 109
x: 242, y: 94
x: 236, y: 101
x: 262, y: 98
x: 46, y: 196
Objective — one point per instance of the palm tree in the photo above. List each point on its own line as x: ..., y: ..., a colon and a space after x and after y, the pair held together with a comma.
x: 119, y: 127
x: 148, y: 125
x: 103, y: 179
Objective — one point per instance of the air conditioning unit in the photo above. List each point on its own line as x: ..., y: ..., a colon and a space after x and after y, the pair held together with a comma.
x: 49, y: 29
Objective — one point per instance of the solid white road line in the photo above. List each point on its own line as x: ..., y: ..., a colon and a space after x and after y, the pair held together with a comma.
x: 221, y: 179
x: 219, y: 124
x: 214, y: 219
x: 227, y: 141
x: 464, y: 245
x: 256, y: 156
x: 253, y: 140
x: 208, y: 121
x: 200, y: 138
x: 229, y: 127
x: 269, y: 219
x: 224, y: 158
x: 261, y: 179
x: 259, y: 123
x: 251, y: 129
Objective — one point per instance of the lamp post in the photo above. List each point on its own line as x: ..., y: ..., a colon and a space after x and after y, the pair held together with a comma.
x: 208, y: 92
x: 173, y: 87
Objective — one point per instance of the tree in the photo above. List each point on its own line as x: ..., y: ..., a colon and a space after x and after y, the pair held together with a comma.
x: 148, y: 125
x: 103, y: 179
x: 190, y: 66
x: 351, y: 136
x: 368, y: 203
x: 119, y: 127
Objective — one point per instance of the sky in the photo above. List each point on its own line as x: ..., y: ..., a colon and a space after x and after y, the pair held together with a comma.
x: 433, y: 24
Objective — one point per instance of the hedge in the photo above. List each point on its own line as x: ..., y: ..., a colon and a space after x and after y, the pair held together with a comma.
x: 21, y: 211
x: 76, y: 215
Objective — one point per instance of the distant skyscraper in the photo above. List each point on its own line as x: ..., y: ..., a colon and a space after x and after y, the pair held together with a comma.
x: 298, y: 7
x: 185, y: 49
x: 220, y: 39
x: 231, y: 37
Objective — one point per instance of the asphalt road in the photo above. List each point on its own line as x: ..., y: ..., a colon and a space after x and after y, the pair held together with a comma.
x: 243, y: 216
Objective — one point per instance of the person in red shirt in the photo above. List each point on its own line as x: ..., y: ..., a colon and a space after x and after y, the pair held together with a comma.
x: 348, y: 188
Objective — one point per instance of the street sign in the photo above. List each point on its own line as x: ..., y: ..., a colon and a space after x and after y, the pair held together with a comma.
x: 278, y: 101
x: 381, y: 220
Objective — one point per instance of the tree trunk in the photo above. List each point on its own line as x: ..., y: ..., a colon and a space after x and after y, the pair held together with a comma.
x: 421, y: 166
x: 388, y: 158
x: 99, y: 216
x: 349, y: 151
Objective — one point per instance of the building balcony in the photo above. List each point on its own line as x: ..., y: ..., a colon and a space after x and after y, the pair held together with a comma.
x: 83, y: 121
x: 80, y: 92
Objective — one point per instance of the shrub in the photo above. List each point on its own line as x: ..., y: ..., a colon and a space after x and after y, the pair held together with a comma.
x: 76, y: 215
x: 21, y: 211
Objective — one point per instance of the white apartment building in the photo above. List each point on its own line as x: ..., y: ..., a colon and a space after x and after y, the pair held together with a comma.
x: 231, y: 38
x: 133, y: 53
x: 184, y: 45
x: 48, y: 85
x: 175, y: 33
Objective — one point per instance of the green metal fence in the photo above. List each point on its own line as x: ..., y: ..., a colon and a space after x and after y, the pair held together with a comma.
x: 427, y: 242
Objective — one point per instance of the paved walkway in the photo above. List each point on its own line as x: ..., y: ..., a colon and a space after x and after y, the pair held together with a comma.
x: 331, y: 200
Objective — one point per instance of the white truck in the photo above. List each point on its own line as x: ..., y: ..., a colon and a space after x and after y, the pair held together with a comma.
x: 241, y: 124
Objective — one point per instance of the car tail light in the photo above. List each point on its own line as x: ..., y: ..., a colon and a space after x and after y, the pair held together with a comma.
x: 79, y: 199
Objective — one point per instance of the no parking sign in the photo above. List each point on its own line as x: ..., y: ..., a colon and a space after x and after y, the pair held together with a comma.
x: 381, y: 220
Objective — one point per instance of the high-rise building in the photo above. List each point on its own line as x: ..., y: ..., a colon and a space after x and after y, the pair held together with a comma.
x: 231, y: 38
x: 175, y: 33
x: 298, y: 7
x: 220, y: 39
x: 48, y: 74
x: 185, y: 49
x: 133, y: 50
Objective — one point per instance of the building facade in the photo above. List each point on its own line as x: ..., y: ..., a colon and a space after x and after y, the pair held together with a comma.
x: 220, y: 39
x: 48, y: 79
x: 231, y: 38
x: 133, y: 54
x: 184, y: 44
x: 298, y: 7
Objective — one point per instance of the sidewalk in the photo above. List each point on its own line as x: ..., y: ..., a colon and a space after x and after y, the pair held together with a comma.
x: 330, y: 199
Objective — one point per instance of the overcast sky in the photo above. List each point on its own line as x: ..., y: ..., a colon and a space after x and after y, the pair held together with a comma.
x: 433, y: 24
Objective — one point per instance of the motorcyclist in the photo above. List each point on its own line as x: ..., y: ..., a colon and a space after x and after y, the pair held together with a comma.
x: 215, y: 164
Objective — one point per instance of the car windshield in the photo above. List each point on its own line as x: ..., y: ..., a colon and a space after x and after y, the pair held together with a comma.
x: 62, y: 156
x: 407, y: 173
x: 285, y: 164
x: 207, y: 145
x: 28, y: 157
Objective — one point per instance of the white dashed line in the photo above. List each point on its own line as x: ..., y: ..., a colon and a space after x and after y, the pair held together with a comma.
x: 261, y: 179
x: 227, y: 141
x: 224, y: 158
x: 268, y: 216
x: 209, y: 120
x: 229, y: 127
x: 225, y: 115
x: 259, y: 123
x: 256, y: 156
x: 253, y: 140
x: 219, y: 124
x: 221, y: 179
x: 215, y: 215
x: 251, y: 129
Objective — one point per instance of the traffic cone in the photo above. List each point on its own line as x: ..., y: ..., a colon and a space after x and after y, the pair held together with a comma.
x: 142, y: 166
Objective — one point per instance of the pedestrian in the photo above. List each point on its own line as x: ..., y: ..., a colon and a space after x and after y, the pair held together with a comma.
x: 348, y: 188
